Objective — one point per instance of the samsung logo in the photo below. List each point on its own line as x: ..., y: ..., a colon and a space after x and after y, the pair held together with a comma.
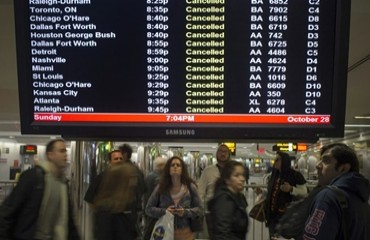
x: 180, y: 132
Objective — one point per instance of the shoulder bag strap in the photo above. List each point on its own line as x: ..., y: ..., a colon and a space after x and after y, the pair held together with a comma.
x: 341, y: 198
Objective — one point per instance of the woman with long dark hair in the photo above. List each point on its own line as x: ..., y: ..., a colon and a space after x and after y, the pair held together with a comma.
x: 283, y: 185
x: 176, y: 193
x: 228, y: 206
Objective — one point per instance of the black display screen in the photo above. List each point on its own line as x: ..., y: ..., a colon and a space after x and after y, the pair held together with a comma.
x: 191, y: 69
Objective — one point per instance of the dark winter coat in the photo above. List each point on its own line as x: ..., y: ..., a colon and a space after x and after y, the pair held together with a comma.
x: 281, y: 199
x: 19, y: 212
x: 325, y: 221
x: 229, y: 215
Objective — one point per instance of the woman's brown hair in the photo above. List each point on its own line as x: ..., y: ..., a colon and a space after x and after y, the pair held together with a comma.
x: 117, y: 189
x: 166, y: 181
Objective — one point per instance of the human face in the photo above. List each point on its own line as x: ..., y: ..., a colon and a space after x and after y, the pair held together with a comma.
x: 125, y: 157
x: 116, y: 158
x: 327, y: 168
x: 58, y: 155
x: 175, y: 167
x: 222, y: 154
x: 160, y: 167
x: 277, y: 163
x: 236, y: 180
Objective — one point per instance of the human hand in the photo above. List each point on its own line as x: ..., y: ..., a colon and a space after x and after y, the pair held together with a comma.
x: 286, y: 187
x: 180, y: 211
x: 171, y: 209
x: 258, y: 190
x: 176, y: 210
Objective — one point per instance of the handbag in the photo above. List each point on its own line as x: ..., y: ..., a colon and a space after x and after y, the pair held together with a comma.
x: 196, y: 224
x: 148, y: 228
x: 163, y: 228
x: 258, y: 211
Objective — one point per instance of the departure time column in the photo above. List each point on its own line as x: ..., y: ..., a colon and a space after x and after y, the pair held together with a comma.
x: 157, y: 17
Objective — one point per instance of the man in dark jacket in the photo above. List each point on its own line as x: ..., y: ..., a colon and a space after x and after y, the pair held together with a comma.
x: 38, y: 207
x: 136, y: 212
x: 114, y: 157
x: 339, y: 166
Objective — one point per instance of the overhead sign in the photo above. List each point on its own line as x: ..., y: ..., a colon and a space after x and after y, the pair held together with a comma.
x: 28, y: 149
x: 192, y: 70
x: 285, y: 147
x: 290, y: 147
x: 302, y: 147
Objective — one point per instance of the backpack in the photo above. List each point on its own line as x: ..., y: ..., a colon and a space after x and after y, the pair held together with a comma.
x: 292, y: 223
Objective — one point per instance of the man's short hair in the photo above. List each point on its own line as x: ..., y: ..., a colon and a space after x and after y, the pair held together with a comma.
x: 158, y: 160
x: 343, y: 154
x: 125, y: 148
x: 228, y: 149
x: 110, y: 154
x: 50, y: 145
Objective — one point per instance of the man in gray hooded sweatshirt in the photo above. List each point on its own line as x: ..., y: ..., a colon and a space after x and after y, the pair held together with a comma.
x: 38, y: 208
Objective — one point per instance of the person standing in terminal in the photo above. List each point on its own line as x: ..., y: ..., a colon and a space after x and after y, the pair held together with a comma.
x: 228, y: 207
x: 151, y: 182
x: 38, y: 208
x: 114, y: 157
x: 206, y: 184
x: 140, y: 190
x: 284, y: 183
x: 153, y: 177
x: 339, y: 166
x: 126, y: 151
x: 176, y: 193
x: 113, y: 203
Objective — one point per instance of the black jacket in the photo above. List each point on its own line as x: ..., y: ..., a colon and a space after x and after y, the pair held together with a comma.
x: 325, y: 220
x: 229, y: 215
x: 19, y: 212
x: 281, y: 199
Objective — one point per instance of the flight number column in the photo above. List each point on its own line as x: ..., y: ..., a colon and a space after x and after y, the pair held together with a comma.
x: 313, y: 86
x: 157, y: 17
x: 256, y: 55
x: 277, y: 56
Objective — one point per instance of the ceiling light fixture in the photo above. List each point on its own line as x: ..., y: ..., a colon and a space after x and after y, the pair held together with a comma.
x: 362, y: 117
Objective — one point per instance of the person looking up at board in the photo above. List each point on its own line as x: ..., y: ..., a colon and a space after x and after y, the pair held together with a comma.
x: 206, y: 183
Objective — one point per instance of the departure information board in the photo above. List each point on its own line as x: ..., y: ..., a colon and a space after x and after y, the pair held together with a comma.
x: 194, y: 69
